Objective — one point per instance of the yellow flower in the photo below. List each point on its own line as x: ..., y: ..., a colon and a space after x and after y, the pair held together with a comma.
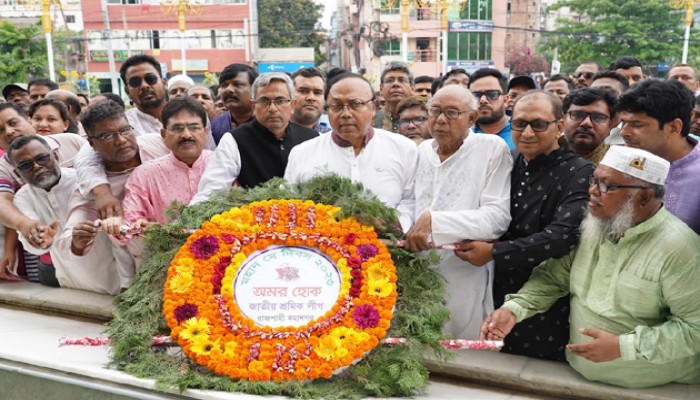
x: 202, y: 345
x: 380, y: 288
x: 230, y: 349
x: 341, y: 352
x: 195, y: 327
x: 327, y: 345
x: 185, y: 266
x: 376, y: 272
x: 343, y: 335
x: 180, y: 283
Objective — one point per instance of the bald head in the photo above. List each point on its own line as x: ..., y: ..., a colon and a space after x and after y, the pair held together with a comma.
x: 68, y: 98
x: 542, y: 97
x: 458, y: 93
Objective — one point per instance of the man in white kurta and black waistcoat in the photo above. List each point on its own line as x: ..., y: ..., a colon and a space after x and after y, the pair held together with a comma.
x: 462, y: 194
x: 548, y: 195
x: 257, y: 151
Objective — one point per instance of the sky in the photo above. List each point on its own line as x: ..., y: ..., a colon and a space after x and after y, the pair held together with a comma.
x: 330, y: 7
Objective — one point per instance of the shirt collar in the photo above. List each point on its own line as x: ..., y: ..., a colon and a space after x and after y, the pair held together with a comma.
x: 344, y: 143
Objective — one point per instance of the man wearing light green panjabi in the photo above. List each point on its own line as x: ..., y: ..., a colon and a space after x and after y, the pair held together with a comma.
x: 633, y: 280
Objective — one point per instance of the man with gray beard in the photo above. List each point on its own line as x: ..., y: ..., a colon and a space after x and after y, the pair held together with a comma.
x: 633, y: 279
x: 45, y: 199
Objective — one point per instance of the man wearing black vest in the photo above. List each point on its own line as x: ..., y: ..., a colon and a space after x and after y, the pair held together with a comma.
x: 257, y: 151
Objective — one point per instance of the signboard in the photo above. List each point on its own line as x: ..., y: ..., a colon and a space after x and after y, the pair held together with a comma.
x: 470, y: 65
x: 283, y: 66
x: 119, y: 55
x: 471, y: 25
x: 192, y: 65
x: 286, y: 286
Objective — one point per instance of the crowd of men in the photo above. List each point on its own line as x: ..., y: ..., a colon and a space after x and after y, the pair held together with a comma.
x: 577, y: 200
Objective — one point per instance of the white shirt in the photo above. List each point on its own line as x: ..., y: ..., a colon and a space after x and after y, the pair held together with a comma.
x: 223, y: 169
x: 468, y: 197
x: 386, y: 166
x: 142, y: 123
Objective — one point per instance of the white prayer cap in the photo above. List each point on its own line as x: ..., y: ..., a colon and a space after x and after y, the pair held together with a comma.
x: 638, y: 163
x: 179, y: 78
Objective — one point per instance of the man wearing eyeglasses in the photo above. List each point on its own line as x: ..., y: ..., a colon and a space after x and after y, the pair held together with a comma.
x: 146, y: 88
x: 583, y: 75
x: 382, y: 161
x: 462, y: 194
x: 396, y: 83
x: 548, y: 193
x: 257, y: 151
x: 656, y: 117
x: 119, y: 152
x: 489, y: 89
x: 45, y: 198
x: 632, y: 279
x: 589, y: 115
x: 413, y: 119
x: 14, y: 124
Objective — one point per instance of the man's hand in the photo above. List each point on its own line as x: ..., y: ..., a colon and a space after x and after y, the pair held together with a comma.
x: 106, y: 204
x: 113, y: 226
x: 34, y: 231
x: 49, y: 235
x: 417, y: 239
x: 605, y: 346
x: 83, y: 235
x: 7, y: 266
x: 475, y: 252
x: 497, y: 325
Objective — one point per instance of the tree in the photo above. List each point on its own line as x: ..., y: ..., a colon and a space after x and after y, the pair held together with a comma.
x: 22, y: 53
x: 523, y: 61
x: 290, y: 23
x: 603, y: 30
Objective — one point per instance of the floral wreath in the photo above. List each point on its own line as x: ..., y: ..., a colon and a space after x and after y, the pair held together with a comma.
x: 205, y: 320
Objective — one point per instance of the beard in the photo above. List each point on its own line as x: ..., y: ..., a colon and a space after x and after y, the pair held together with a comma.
x: 613, y: 229
x: 496, y: 116
x: 46, y: 181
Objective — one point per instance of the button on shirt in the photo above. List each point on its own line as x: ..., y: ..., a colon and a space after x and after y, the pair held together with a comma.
x: 154, y: 185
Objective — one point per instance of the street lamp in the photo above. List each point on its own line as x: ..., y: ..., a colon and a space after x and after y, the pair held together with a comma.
x: 48, y: 27
x: 688, y: 5
x: 181, y: 7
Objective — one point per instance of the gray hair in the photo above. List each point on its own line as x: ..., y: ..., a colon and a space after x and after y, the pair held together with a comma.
x: 265, y: 79
x: 397, y: 66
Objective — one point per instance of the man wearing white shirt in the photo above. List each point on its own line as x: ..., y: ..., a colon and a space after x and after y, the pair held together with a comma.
x: 462, y: 194
x: 384, y: 162
x: 146, y: 88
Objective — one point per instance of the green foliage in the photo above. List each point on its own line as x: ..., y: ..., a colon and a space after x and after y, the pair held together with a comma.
x: 386, y: 371
x: 290, y: 23
x: 523, y: 61
x: 22, y: 53
x: 649, y: 30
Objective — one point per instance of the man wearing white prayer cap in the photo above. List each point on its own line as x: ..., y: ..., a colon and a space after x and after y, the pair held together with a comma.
x: 178, y: 85
x: 635, y: 312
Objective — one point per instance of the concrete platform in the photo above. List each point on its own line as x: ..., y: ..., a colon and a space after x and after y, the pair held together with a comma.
x: 28, y: 342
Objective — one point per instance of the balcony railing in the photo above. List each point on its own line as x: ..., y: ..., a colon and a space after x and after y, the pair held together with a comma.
x: 416, y: 14
x: 426, y: 55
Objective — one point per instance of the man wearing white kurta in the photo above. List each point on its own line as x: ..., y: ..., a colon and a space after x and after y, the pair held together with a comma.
x: 462, y: 193
x: 384, y: 162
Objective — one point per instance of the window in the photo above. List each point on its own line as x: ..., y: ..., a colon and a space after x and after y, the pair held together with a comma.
x: 391, y: 7
x: 392, y: 47
x: 70, y: 19
x: 469, y: 46
x: 478, y: 9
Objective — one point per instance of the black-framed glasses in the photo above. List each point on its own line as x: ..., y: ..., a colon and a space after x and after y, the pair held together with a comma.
x: 490, y: 94
x: 265, y: 102
x: 605, y: 188
x: 596, y: 118
x: 354, y: 105
x: 135, y: 81
x: 179, y: 129
x: 109, y: 136
x: 538, y: 125
x: 585, y: 75
x: 417, y: 121
x: 28, y: 165
x: 450, y: 113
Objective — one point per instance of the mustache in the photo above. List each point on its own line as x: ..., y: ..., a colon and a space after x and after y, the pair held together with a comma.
x: 182, y: 141
x: 584, y: 131
x: 230, y: 96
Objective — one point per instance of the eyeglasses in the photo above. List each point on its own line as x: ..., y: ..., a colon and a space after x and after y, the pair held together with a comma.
x: 109, y: 136
x: 538, y: 125
x: 450, y: 113
x: 265, y: 102
x: 354, y: 105
x: 585, y: 75
x: 27, y: 166
x: 490, y: 94
x: 400, y: 79
x: 605, y: 188
x: 596, y: 118
x: 417, y: 121
x: 179, y: 129
x: 136, y: 81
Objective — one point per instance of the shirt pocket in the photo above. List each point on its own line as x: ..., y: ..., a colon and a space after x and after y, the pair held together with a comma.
x: 637, y: 297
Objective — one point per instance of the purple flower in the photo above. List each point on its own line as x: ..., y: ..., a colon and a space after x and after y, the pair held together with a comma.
x: 365, y: 316
x: 185, y: 311
x: 205, y: 247
x: 366, y: 251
